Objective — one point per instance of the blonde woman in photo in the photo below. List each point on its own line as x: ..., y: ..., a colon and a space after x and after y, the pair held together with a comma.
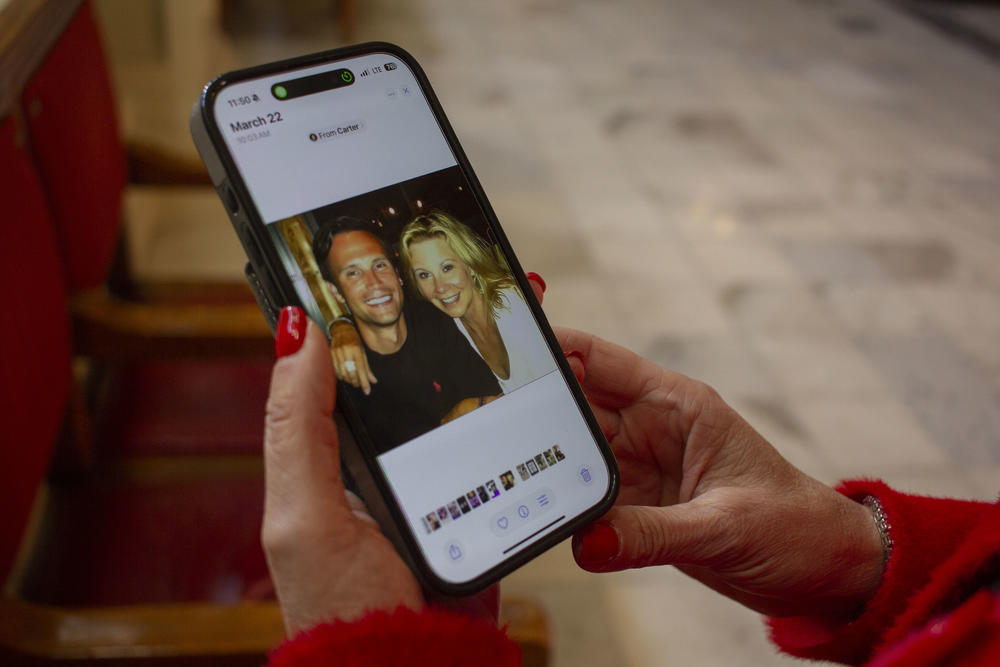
x: 449, y: 265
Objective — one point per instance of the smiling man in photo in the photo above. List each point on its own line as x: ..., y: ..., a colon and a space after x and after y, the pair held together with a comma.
x: 427, y: 371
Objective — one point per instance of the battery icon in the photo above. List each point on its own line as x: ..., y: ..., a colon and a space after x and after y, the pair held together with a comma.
x: 390, y: 66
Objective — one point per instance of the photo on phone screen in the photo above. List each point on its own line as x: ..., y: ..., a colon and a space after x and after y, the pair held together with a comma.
x: 417, y: 260
x: 378, y: 226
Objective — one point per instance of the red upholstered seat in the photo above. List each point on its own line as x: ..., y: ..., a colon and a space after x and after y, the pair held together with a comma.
x: 150, y: 522
x: 34, y: 339
x: 109, y: 542
x: 125, y: 527
x: 74, y: 137
x: 148, y: 406
x: 184, y: 406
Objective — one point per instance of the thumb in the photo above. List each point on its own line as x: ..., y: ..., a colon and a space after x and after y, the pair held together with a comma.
x: 639, y: 536
x: 301, y: 453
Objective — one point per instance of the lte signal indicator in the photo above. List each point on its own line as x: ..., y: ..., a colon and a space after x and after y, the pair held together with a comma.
x: 364, y: 73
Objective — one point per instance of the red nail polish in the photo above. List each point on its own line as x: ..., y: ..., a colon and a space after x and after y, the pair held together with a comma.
x: 577, y: 354
x: 291, y: 331
x: 596, y: 544
x: 537, y: 278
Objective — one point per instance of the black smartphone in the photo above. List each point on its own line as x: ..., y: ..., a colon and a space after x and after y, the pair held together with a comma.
x: 354, y: 200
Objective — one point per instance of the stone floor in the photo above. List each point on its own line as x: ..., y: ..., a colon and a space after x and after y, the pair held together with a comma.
x: 794, y: 200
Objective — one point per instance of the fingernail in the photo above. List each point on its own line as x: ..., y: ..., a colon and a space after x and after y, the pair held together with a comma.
x: 291, y: 331
x: 596, y: 544
x: 531, y: 275
x: 577, y: 354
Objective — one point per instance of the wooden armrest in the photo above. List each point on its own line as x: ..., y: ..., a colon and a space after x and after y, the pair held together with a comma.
x: 526, y: 625
x: 204, y: 292
x: 149, y: 164
x: 108, y: 327
x: 246, y: 631
x: 28, y: 29
x: 243, y: 632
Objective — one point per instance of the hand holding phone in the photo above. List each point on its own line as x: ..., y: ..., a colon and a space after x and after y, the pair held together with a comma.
x: 355, y: 201
x: 327, y: 557
x: 706, y: 492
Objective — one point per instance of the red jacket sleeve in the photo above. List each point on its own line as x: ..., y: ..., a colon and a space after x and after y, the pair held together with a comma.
x: 935, y: 541
x: 428, y: 637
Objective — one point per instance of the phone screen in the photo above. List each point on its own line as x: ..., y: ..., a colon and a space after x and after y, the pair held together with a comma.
x: 472, y: 424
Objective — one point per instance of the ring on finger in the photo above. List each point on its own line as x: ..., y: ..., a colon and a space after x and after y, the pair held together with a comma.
x: 350, y: 366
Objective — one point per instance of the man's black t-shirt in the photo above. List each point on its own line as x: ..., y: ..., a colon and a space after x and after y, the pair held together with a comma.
x: 421, y: 382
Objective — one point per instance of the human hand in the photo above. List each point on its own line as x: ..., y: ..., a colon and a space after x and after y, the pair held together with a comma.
x: 701, y: 489
x: 327, y: 556
x: 350, y: 362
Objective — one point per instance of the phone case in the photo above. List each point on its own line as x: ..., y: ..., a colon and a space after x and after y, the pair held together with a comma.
x: 273, y: 290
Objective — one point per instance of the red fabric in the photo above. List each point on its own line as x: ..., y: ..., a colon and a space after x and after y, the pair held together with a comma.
x: 109, y: 542
x: 34, y: 340
x: 944, y: 552
x: 70, y: 109
x: 183, y: 406
x: 404, y: 637
x: 970, y: 637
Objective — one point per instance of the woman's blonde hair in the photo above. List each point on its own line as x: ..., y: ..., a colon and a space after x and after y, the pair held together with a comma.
x: 490, y: 272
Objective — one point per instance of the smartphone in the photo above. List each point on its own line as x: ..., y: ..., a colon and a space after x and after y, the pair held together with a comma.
x: 354, y: 200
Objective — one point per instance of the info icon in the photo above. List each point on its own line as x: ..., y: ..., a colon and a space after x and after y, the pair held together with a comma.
x: 313, y: 137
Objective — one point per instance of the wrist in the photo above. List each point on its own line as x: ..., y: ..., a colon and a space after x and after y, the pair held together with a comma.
x: 873, y: 546
x: 881, y: 526
x: 343, y: 319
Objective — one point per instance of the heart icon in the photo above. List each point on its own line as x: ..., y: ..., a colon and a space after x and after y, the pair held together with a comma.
x: 502, y: 522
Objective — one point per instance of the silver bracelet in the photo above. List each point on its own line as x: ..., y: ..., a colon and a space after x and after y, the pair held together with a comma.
x: 882, y: 524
